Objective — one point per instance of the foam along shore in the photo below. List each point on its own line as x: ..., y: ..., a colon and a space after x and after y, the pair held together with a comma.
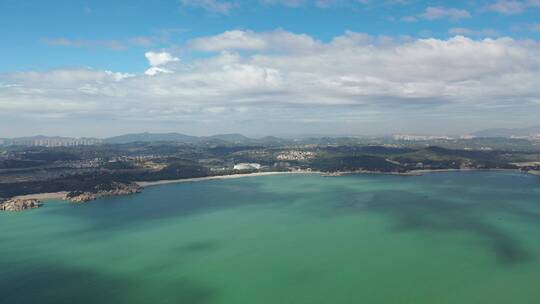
x: 231, y: 176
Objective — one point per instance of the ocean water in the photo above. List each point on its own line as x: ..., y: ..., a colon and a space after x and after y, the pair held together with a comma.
x: 469, y: 237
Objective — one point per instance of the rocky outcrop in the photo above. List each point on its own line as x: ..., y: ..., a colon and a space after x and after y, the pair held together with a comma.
x: 114, y: 190
x: 17, y: 204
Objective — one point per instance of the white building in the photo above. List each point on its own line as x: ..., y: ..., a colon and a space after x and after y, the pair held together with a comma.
x: 247, y: 166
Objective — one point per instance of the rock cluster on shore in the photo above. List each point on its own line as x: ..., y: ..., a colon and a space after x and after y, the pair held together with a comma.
x: 20, y: 204
x: 117, y: 189
x: 17, y: 204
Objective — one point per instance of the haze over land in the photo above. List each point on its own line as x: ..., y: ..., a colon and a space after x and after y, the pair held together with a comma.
x: 101, y: 69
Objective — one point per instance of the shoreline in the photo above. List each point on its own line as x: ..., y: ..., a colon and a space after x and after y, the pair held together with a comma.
x: 420, y: 171
x: 143, y: 184
x: 219, y: 177
x: 530, y: 172
x: 324, y: 174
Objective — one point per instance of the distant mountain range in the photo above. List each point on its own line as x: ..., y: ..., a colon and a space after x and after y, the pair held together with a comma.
x: 56, y: 141
x: 233, y: 138
x: 178, y: 137
x: 151, y: 137
x: 508, y: 132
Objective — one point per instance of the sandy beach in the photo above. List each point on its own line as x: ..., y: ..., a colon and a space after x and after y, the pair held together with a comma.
x: 197, y: 179
x: 43, y: 196
x: 410, y: 173
x: 534, y: 172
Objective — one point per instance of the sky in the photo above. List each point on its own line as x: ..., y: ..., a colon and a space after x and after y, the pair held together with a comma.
x: 268, y: 67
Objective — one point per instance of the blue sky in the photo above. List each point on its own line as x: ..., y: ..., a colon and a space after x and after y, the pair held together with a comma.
x: 81, y: 39
x: 27, y: 27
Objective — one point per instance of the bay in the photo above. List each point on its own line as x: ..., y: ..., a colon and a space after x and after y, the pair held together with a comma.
x: 456, y: 237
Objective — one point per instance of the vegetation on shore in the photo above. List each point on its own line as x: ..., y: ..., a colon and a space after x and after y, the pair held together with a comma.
x: 86, y: 171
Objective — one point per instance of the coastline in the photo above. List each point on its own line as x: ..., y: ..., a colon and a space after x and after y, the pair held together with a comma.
x: 464, y: 170
x: 530, y: 172
x: 326, y: 174
x: 62, y: 194
x: 219, y: 177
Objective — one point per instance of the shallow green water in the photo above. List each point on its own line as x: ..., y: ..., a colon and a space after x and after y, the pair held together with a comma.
x: 439, y: 238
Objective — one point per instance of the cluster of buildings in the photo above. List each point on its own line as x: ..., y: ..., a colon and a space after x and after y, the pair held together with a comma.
x: 295, y: 155
x: 44, y: 141
x: 530, y: 137
x: 407, y: 137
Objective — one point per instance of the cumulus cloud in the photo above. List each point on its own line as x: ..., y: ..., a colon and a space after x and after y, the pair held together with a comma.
x: 157, y: 62
x: 251, y: 41
x: 235, y: 39
x: 352, y: 77
x: 161, y: 58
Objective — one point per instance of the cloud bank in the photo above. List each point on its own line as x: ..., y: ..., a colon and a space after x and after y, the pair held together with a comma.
x: 282, y: 77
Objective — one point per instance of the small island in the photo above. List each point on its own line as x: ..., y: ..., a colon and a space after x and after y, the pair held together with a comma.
x: 35, y: 201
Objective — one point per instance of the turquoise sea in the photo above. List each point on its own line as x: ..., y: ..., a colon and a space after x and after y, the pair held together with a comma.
x: 460, y: 237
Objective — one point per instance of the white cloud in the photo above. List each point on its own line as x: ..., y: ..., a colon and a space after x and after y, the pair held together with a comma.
x: 152, y: 71
x: 157, y: 61
x: 353, y: 77
x: 512, y: 7
x: 432, y: 13
x: 507, y: 7
x: 471, y: 32
x: 235, y: 39
x: 161, y: 58
x: 213, y: 6
x: 251, y: 41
